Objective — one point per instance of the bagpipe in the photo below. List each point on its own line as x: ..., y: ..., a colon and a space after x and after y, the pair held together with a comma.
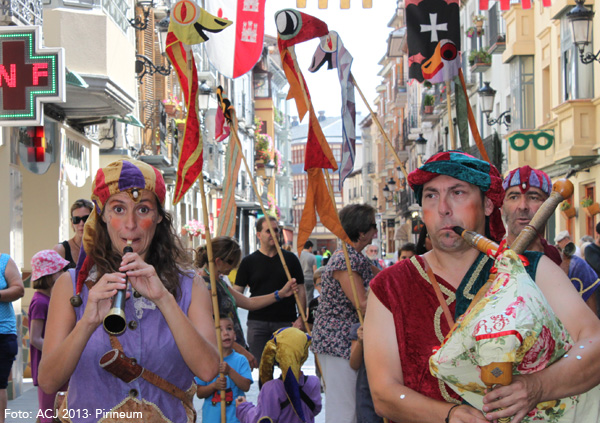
x: 510, y: 329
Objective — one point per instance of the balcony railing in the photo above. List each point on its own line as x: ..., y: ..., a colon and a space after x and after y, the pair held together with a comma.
x: 21, y: 12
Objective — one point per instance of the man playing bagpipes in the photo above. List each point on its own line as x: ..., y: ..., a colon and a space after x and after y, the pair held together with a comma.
x: 406, y: 319
x: 525, y: 190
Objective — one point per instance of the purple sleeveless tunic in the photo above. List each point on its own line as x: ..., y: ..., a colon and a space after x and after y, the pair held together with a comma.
x: 148, y: 339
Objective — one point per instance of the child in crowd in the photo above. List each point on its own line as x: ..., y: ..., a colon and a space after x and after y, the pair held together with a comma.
x: 365, y: 411
x: 236, y: 380
x: 293, y: 398
x: 47, y: 266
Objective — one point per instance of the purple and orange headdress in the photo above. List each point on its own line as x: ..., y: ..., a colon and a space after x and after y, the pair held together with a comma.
x: 467, y: 168
x: 124, y: 175
x: 525, y: 177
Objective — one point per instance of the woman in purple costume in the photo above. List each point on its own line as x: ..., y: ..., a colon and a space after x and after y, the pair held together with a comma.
x: 169, y: 337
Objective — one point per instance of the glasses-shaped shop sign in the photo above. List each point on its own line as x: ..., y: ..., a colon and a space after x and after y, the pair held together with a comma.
x: 29, y: 76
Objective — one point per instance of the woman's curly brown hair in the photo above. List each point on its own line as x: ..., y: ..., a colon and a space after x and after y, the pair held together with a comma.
x: 166, y: 253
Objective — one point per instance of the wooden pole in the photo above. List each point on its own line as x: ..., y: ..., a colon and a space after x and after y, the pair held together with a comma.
x: 346, y: 255
x: 330, y: 189
x: 376, y: 120
x: 213, y: 290
x: 211, y: 262
x: 472, y: 121
x: 450, y: 123
x: 273, y: 235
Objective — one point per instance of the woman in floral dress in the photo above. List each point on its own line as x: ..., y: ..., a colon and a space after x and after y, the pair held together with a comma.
x: 337, y: 312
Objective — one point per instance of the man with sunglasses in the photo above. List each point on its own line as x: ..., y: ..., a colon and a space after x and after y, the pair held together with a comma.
x: 69, y: 250
x: 263, y: 273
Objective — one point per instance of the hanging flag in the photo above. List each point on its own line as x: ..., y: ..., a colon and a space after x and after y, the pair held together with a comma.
x: 236, y: 52
x: 331, y: 50
x: 462, y: 120
x: 294, y: 27
x: 433, y: 36
x: 228, y: 215
x: 190, y: 23
x: 505, y: 4
x: 190, y: 157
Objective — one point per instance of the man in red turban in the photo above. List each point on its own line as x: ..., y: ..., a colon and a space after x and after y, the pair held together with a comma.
x: 413, y: 303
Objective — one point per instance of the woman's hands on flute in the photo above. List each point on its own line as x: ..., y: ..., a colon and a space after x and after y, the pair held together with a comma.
x: 100, y: 298
x: 514, y: 400
x: 143, y: 277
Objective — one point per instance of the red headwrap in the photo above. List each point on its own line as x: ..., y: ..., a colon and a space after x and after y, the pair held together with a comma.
x: 469, y: 169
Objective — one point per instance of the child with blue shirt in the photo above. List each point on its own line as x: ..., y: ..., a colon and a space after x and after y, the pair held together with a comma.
x: 236, y: 380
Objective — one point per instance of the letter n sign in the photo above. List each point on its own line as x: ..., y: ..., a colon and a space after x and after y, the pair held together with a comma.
x: 29, y: 76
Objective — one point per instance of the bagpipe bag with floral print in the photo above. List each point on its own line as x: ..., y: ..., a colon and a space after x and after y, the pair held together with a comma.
x: 512, y: 323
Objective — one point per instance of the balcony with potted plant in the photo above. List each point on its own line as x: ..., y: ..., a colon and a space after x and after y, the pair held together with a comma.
x: 172, y: 106
x: 498, y: 46
x: 478, y: 21
x: 590, y: 207
x: 428, y: 103
x: 263, y: 149
x: 480, y: 60
x: 567, y: 210
x: 474, y: 32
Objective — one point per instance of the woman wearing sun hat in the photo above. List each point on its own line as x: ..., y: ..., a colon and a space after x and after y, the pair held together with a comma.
x: 47, y: 266
x: 170, y: 336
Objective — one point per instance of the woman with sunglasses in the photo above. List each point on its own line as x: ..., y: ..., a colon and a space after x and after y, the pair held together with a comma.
x: 227, y: 256
x: 69, y: 250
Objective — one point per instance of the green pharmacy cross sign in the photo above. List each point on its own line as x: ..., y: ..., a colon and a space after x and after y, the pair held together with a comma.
x: 29, y: 76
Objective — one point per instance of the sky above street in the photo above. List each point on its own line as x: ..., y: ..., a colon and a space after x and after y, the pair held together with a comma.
x: 364, y: 33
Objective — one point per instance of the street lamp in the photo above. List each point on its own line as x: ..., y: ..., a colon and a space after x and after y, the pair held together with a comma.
x: 141, y: 22
x: 421, y: 142
x: 487, y: 95
x: 204, y: 93
x: 386, y: 193
x: 269, y: 173
x: 375, y: 199
x: 581, y: 30
x: 162, y: 29
x: 143, y: 66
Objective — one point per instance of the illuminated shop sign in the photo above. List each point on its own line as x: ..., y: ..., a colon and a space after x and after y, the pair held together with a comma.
x: 29, y: 76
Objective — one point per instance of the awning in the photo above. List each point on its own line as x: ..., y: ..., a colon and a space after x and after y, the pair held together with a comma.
x: 129, y: 119
x: 73, y: 78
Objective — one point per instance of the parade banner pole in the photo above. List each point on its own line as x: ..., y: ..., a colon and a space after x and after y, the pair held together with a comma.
x: 472, y: 122
x: 211, y: 262
x: 262, y: 207
x: 376, y: 120
x: 450, y: 123
x: 213, y: 290
x: 330, y: 189
x: 346, y: 254
x: 273, y: 235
